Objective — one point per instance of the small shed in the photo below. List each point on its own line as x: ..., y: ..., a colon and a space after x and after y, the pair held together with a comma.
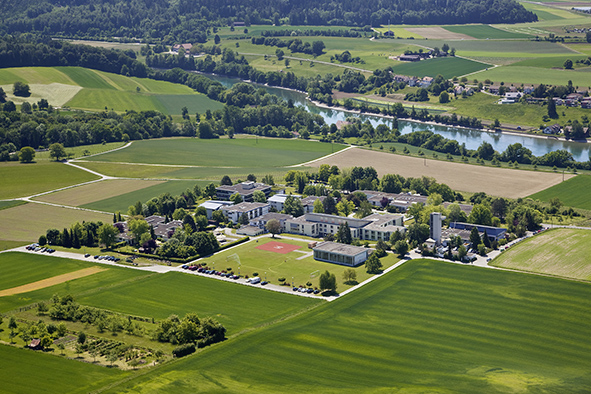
x: 35, y: 344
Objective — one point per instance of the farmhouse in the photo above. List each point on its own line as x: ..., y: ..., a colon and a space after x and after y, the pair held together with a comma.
x: 212, y: 206
x: 343, y: 254
x: 245, y: 189
x: 186, y: 47
x: 251, y: 209
x: 426, y: 82
x: 409, y: 58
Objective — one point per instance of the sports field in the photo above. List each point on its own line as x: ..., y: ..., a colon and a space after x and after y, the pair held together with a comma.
x: 238, y: 152
x: 425, y: 327
x: 27, y: 222
x: 494, y: 181
x: 21, y: 180
x: 448, y: 67
x: 97, y: 191
x: 123, y: 201
x: 296, y: 266
x: 560, y: 252
x: 573, y: 192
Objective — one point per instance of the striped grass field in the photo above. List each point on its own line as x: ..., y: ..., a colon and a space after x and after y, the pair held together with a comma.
x: 573, y: 192
x: 561, y: 252
x: 425, y: 327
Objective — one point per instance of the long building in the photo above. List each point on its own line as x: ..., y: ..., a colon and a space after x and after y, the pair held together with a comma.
x: 343, y: 254
x: 245, y: 189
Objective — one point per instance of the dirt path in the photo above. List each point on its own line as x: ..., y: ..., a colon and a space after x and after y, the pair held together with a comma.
x: 41, y: 284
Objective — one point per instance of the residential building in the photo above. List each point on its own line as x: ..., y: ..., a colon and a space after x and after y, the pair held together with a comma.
x: 342, y: 254
x: 251, y: 209
x: 278, y: 200
x: 212, y: 205
x: 308, y: 202
x: 245, y: 189
x: 426, y: 82
x: 261, y: 221
x: 553, y: 129
x: 186, y: 47
x: 403, y: 201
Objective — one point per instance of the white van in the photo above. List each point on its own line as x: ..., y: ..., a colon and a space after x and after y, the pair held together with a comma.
x: 254, y: 281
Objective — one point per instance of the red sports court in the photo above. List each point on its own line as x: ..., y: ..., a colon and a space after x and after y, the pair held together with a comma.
x: 278, y: 247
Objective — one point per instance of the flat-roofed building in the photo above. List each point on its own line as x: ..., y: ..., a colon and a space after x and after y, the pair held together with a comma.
x: 250, y: 209
x: 212, y: 205
x: 277, y: 201
x: 337, y: 253
x: 261, y: 221
x: 245, y: 189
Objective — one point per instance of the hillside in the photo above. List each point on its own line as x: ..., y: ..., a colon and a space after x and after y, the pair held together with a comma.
x: 188, y: 20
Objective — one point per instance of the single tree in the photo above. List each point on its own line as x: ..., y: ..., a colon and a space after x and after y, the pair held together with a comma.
x: 274, y: 227
x: 259, y: 196
x: 107, y: 234
x: 568, y: 64
x: 26, y: 154
x: 552, y: 108
x: 226, y: 181
x: 444, y: 97
x: 328, y: 281
x: 475, y: 239
x: 2, y: 95
x: 236, y: 198
x: 217, y: 39
x: 401, y: 247
x: 318, y: 206
x: 243, y: 219
x: 21, y: 89
x: 373, y: 265
x: 349, y: 276
x: 344, y: 234
x: 138, y: 227
x: 81, y: 338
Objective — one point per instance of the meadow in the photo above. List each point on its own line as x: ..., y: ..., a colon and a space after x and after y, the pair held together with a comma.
x: 86, y: 89
x: 270, y: 265
x: 425, y: 327
x: 535, y: 76
x: 81, y: 150
x: 573, y: 192
x: 448, y: 67
x: 238, y: 152
x: 27, y: 222
x: 121, y: 202
x: 485, y: 32
x: 560, y: 252
x: 21, y: 180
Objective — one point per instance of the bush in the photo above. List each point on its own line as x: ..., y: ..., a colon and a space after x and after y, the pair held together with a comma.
x: 281, y: 279
x: 183, y: 350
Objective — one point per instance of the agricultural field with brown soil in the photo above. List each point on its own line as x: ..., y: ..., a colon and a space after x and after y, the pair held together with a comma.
x: 438, y: 33
x: 561, y: 252
x: 55, y: 280
x: 97, y: 191
x: 500, y: 182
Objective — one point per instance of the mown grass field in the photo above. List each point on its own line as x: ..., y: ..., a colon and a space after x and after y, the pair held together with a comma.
x: 561, y: 252
x: 484, y: 32
x: 21, y: 268
x: 93, y: 192
x: 271, y: 265
x: 25, y: 371
x: 122, y: 202
x: 425, y: 327
x: 236, y: 306
x: 573, y: 192
x: 448, y: 67
x: 20, y: 180
x: 239, y: 152
x: 535, y: 76
x: 78, y: 151
x: 27, y: 222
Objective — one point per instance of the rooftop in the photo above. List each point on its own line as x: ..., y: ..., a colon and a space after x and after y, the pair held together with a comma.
x: 343, y: 249
x: 245, y: 206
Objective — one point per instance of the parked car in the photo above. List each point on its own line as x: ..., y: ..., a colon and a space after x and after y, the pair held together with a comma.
x: 264, y: 283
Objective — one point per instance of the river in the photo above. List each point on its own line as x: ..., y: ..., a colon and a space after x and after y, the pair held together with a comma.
x: 472, y: 138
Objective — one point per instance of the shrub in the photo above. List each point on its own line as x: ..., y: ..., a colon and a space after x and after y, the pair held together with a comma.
x: 255, y: 274
x: 281, y: 279
x: 183, y: 350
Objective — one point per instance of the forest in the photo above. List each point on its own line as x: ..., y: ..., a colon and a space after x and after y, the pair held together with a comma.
x: 189, y: 20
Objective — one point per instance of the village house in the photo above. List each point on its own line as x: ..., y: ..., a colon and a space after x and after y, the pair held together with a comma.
x: 186, y: 47
x: 553, y: 129
x: 426, y: 82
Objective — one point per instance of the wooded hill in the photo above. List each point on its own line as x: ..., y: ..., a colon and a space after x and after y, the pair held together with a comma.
x: 188, y: 20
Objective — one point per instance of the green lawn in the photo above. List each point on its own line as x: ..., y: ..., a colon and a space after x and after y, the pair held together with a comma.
x: 484, y: 32
x: 271, y: 266
x: 425, y: 327
x: 78, y: 151
x: 173, y: 104
x: 20, y: 180
x: 239, y: 152
x: 573, y: 192
x: 504, y: 49
x: 448, y: 67
x: 548, y: 62
x: 236, y: 306
x: 10, y: 203
x: 26, y: 371
x: 534, y: 75
x: 27, y: 222
x: 122, y: 202
x: 560, y: 252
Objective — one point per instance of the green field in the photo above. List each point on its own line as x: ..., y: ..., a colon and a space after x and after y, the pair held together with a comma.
x: 122, y: 202
x: 535, y: 76
x: 10, y: 203
x: 239, y: 152
x: 548, y: 62
x: 25, y: 371
x: 21, y: 180
x: 236, y: 306
x: 573, y: 192
x: 78, y: 151
x: 425, y: 327
x: 101, y: 89
x: 27, y: 222
x: 448, y: 67
x: 485, y: 32
x: 561, y: 252
x: 271, y: 266
x: 504, y: 49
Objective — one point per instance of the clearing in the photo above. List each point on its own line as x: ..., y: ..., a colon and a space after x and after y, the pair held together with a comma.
x: 57, y: 94
x: 41, y: 284
x: 561, y: 252
x: 470, y: 178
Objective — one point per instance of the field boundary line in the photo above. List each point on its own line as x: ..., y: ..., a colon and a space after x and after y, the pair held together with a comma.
x: 108, y: 151
x: 310, y: 60
x: 321, y: 158
x: 148, y: 164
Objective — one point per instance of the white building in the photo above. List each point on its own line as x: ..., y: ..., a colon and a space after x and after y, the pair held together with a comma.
x: 277, y: 201
x: 436, y: 220
x: 251, y: 209
x: 213, y: 205
x: 343, y: 254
